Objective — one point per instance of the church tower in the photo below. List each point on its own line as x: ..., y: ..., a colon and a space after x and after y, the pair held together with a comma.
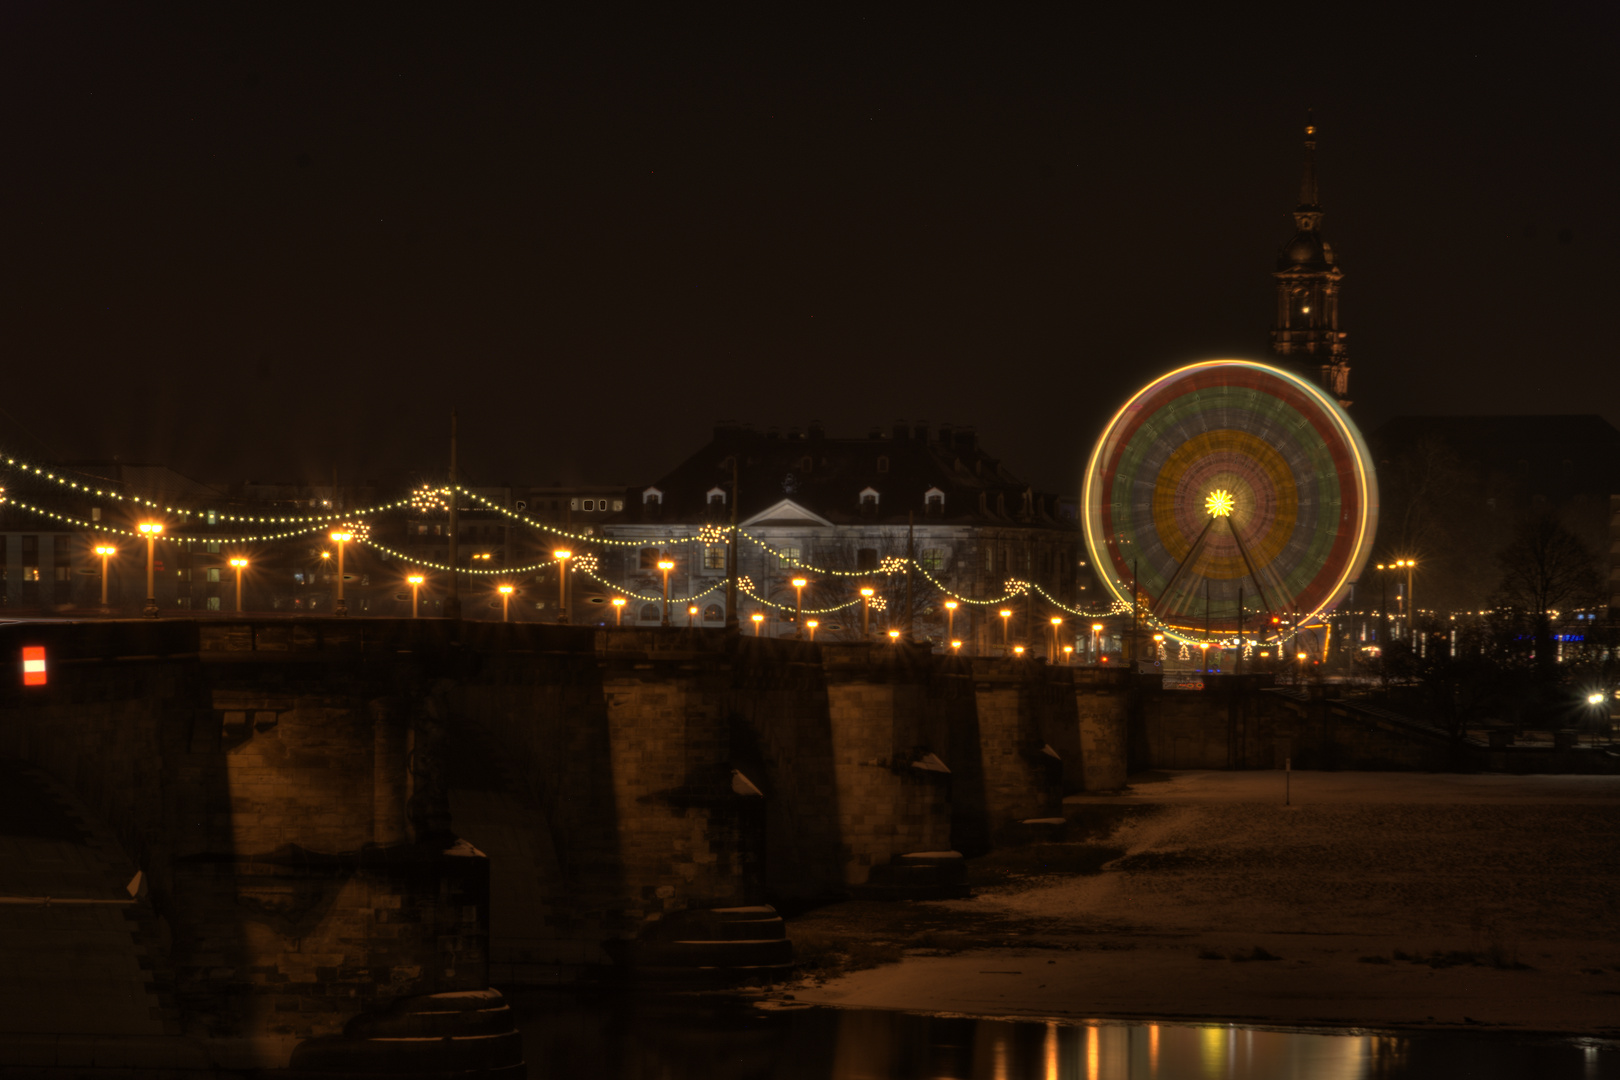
x: 1306, y: 335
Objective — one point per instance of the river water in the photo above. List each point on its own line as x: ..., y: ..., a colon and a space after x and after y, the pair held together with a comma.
x: 615, y: 1037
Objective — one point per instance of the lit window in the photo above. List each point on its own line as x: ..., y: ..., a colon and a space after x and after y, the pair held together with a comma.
x: 618, y: 504
x: 30, y: 573
x: 213, y: 573
x: 714, y: 557
x: 213, y: 547
x: 213, y: 603
x: 932, y: 559
x: 213, y: 517
x: 649, y: 612
x: 790, y: 554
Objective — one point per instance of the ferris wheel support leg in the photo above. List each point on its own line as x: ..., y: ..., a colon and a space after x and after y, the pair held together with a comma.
x: 1258, y: 584
x: 1192, y: 554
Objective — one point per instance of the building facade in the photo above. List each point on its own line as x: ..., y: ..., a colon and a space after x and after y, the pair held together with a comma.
x: 1306, y: 334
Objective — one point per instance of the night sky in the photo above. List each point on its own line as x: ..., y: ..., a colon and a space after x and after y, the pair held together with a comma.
x: 263, y: 241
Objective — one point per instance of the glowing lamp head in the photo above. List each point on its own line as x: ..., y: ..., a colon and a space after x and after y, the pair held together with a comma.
x: 894, y: 635
x: 692, y: 610
x: 757, y: 617
x: 1057, y: 620
x: 326, y: 554
x: 956, y: 645
x: 1219, y: 503
x: 342, y: 537
x: 416, y: 579
x: 619, y: 601
x: 106, y: 552
x: 799, y: 582
x: 504, y: 590
x: 868, y: 592
x: 950, y: 605
x: 151, y: 528
x: 666, y: 564
x: 561, y: 554
x: 1594, y: 698
x: 1005, y: 613
x: 811, y: 623
x: 1158, y: 637
x: 1018, y: 650
x: 239, y: 563
x: 1097, y: 626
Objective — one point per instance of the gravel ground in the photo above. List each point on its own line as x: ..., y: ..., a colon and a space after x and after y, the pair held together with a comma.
x: 1374, y: 898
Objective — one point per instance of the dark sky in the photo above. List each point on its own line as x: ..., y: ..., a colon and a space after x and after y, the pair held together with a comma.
x: 263, y: 240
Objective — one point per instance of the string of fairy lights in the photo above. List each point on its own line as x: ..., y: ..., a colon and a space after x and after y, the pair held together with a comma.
x: 432, y: 498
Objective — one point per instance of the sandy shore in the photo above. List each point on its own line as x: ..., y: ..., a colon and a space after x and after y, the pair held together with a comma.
x: 1375, y: 899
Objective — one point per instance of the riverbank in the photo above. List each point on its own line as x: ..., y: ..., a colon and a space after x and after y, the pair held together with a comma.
x: 1372, y: 899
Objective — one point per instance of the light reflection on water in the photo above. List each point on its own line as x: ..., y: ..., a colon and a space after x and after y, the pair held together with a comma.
x: 675, y: 1038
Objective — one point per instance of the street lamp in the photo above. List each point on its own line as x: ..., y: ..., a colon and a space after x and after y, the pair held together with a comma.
x: 240, y: 564
x: 956, y: 648
x: 666, y: 565
x: 151, y: 530
x: 106, y: 551
x: 1018, y: 651
x: 866, y: 610
x: 811, y: 625
x: 1096, y: 641
x: 1068, y: 656
x: 759, y: 621
x: 340, y: 538
x: 798, y: 605
x: 562, y: 555
x: 416, y: 589
x: 1006, y: 621
x: 506, y: 600
x: 1158, y: 646
x: 1204, y: 646
x: 894, y: 637
x: 618, y: 610
x: 950, y: 619
x: 691, y: 615
x: 1057, y: 621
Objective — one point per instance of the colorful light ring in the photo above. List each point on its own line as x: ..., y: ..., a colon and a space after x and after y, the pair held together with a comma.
x: 1304, y: 497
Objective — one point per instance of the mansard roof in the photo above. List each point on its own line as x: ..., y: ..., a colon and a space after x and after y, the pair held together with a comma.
x: 809, y: 477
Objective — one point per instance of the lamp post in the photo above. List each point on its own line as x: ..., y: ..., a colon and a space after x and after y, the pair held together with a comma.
x: 416, y: 589
x: 811, y: 625
x: 1096, y: 641
x: 151, y: 530
x: 106, y: 551
x: 691, y: 615
x: 239, y: 564
x: 1204, y: 653
x: 866, y: 611
x: 1018, y: 651
x: 956, y: 648
x: 1068, y: 656
x: 1006, y: 621
x: 562, y: 555
x: 665, y: 565
x: 759, y: 621
x: 341, y: 537
x: 950, y: 620
x: 798, y: 606
x: 618, y: 610
x: 1057, y: 621
x: 506, y: 600
x: 1158, y: 646
x: 894, y: 637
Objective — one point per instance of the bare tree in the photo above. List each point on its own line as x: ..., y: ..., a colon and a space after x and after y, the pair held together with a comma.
x: 1545, y: 569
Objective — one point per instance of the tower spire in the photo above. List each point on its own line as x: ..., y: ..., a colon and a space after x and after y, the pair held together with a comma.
x: 1306, y: 334
x: 1307, y: 183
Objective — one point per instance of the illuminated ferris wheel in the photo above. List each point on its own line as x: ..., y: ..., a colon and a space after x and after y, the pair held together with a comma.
x: 1226, y: 493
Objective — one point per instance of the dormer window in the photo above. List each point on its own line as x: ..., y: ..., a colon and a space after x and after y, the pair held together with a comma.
x: 934, y: 500
x: 883, y: 463
x: 652, y: 497
x: 716, y: 496
x: 870, y: 496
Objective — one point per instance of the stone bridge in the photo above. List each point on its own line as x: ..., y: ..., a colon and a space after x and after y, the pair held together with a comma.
x: 310, y: 838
